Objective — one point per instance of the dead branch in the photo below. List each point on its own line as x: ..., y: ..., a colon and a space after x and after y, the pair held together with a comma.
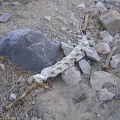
x: 106, y: 65
x: 31, y: 88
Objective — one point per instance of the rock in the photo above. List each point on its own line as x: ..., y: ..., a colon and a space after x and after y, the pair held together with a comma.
x: 104, y: 95
x: 51, y: 103
x: 85, y: 67
x: 91, y: 43
x: 64, y: 28
x: 104, y: 33
x: 116, y: 56
x: 115, y: 61
x: 66, y: 48
x: 5, y: 17
x: 111, y: 21
x: 25, y: 1
x: 15, y: 3
x: 29, y: 49
x: 101, y: 7
x: 71, y: 76
x: 102, y: 48
x: 44, y: 116
x: 21, y: 79
x: 74, y: 22
x: 79, y: 98
x: 30, y: 80
x: 108, y: 39
x: 2, y: 66
x: 100, y: 78
x: 12, y: 97
x: 81, y: 6
x: 116, y: 36
x: 48, y: 18
x: 92, y: 54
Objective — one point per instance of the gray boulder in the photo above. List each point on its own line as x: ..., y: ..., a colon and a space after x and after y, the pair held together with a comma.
x: 29, y: 49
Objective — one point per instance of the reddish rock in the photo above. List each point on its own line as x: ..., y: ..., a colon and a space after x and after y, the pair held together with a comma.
x: 102, y: 48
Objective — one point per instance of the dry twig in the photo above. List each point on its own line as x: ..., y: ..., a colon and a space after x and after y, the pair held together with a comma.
x: 106, y: 65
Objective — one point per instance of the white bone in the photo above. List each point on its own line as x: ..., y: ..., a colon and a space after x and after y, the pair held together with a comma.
x: 76, y: 54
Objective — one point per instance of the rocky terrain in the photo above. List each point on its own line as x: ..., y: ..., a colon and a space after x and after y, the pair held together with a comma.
x: 89, y: 89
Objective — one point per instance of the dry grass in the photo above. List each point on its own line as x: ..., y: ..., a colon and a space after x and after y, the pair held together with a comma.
x: 13, y: 80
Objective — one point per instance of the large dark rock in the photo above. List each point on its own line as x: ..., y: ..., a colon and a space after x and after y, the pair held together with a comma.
x: 29, y: 49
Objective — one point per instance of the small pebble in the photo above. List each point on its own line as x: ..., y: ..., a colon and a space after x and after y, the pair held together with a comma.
x: 5, y: 17
x: 80, y: 6
x: 101, y: 7
x: 92, y: 54
x: 85, y: 67
x: 12, y: 97
x: 48, y: 18
x: 79, y: 98
x: 2, y: 66
x: 30, y: 80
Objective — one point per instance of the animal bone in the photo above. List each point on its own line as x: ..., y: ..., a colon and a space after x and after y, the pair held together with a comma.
x: 52, y: 71
x: 59, y: 67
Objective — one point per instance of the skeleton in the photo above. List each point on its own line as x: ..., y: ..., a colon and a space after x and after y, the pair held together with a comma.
x: 59, y: 67
x: 52, y: 71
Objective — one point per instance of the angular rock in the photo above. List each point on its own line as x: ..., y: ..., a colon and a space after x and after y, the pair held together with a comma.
x: 2, y: 66
x: 100, y: 78
x: 102, y: 48
x: 116, y: 36
x: 101, y: 7
x: 115, y: 61
x: 81, y: 6
x: 48, y: 18
x: 116, y: 56
x: 71, y: 76
x: 30, y: 80
x: 15, y: 3
x: 104, y: 95
x: 5, y: 17
x: 108, y: 39
x: 91, y: 42
x: 29, y: 49
x: 66, y: 48
x: 64, y: 28
x: 85, y: 67
x: 92, y: 54
x: 104, y: 33
x: 111, y: 21
x: 12, y: 97
x: 79, y: 98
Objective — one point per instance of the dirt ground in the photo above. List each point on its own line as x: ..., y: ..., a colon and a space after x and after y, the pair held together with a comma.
x: 60, y: 20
